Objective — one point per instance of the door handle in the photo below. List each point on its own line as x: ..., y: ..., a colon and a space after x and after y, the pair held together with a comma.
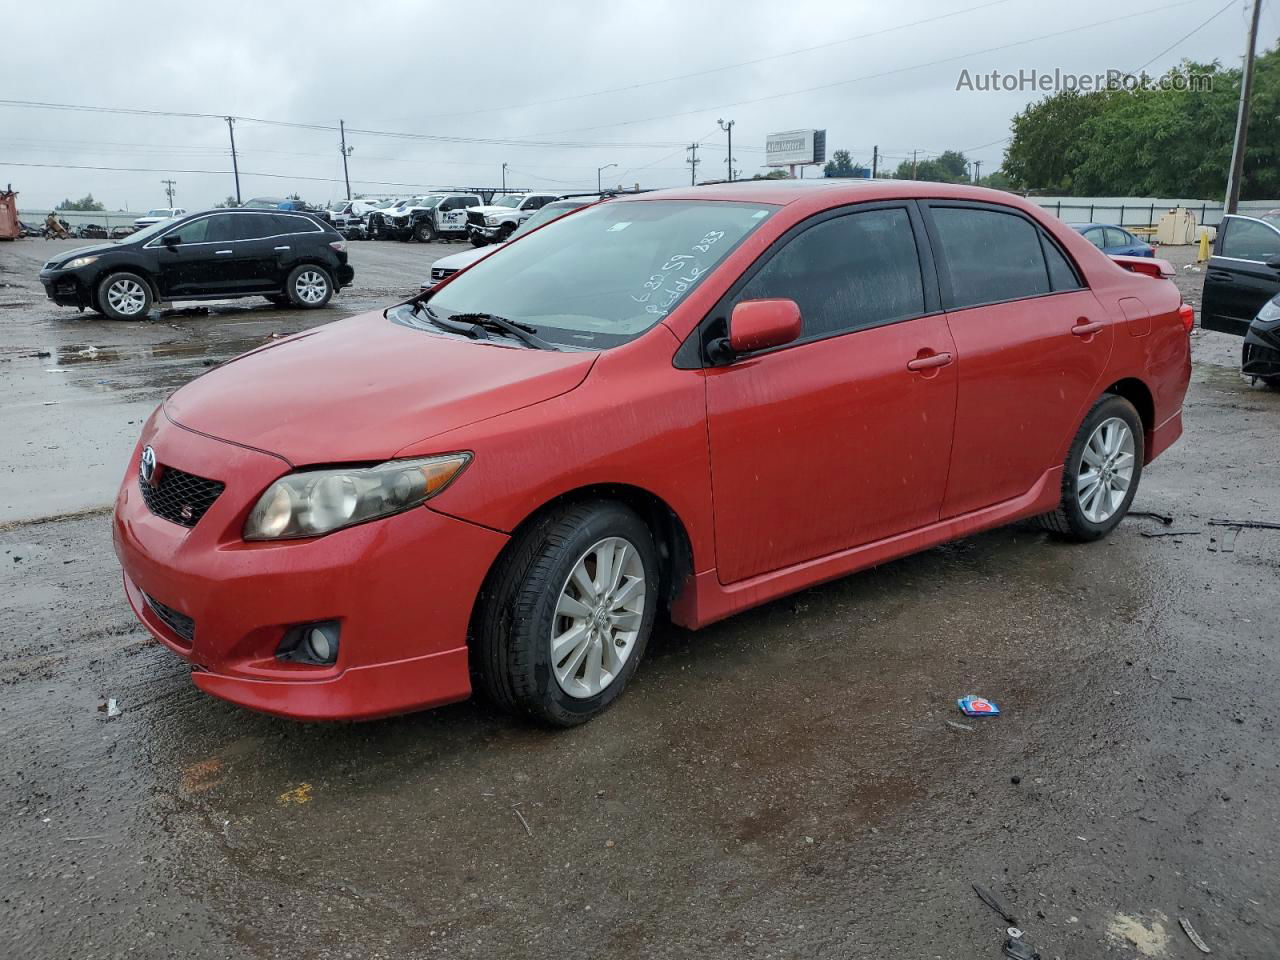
x: 281, y: 248
x: 1219, y: 276
x: 929, y: 362
x: 222, y: 253
x: 1086, y: 328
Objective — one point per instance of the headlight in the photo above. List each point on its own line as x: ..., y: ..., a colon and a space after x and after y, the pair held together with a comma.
x: 78, y: 262
x: 315, y: 502
x: 492, y: 221
x: 1270, y: 311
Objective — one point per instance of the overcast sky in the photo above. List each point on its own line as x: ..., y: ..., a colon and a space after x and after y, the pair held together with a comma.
x: 627, y: 82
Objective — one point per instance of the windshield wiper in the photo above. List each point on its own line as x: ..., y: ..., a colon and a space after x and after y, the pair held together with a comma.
x: 491, y: 321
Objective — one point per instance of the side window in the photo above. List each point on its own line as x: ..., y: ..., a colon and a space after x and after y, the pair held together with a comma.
x: 193, y: 232
x: 1250, y: 240
x: 1117, y: 238
x: 282, y: 223
x: 534, y: 203
x: 471, y: 202
x: 255, y: 226
x: 1096, y: 237
x: 453, y: 203
x: 1062, y: 276
x: 222, y: 228
x: 849, y: 272
x: 990, y: 256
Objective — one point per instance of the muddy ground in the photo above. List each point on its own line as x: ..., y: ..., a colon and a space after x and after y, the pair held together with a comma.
x: 784, y: 784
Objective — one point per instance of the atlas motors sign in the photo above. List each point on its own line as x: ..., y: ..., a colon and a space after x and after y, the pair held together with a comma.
x: 794, y: 147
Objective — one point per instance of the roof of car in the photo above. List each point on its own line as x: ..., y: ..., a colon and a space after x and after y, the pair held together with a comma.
x: 1086, y: 226
x: 826, y: 191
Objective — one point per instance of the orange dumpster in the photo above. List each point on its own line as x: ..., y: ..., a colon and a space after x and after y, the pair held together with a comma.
x: 9, y: 229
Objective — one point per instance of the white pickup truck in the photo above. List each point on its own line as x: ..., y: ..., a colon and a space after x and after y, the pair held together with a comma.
x: 495, y: 222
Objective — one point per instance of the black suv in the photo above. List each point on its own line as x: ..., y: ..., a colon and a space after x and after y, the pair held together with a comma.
x: 216, y: 255
x: 1242, y: 291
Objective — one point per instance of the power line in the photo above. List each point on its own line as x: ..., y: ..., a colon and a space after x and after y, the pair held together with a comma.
x: 720, y: 69
x: 1179, y: 41
x: 883, y: 73
x: 219, y: 173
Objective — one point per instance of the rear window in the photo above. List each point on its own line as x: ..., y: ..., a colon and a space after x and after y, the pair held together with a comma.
x: 990, y: 256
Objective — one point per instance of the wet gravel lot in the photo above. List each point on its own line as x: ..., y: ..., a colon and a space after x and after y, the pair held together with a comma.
x: 783, y: 784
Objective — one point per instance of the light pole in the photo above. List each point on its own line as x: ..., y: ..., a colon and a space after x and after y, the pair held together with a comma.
x: 600, y: 170
x: 504, y: 178
x: 727, y: 127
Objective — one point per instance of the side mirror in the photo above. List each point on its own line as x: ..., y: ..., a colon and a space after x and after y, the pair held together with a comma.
x: 761, y: 324
x: 171, y: 239
x: 1274, y: 262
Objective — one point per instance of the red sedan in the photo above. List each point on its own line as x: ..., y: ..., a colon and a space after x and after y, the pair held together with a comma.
x: 685, y: 403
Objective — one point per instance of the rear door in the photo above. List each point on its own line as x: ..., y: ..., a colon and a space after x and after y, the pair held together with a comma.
x: 1238, y: 281
x: 1033, y: 343
x: 843, y: 437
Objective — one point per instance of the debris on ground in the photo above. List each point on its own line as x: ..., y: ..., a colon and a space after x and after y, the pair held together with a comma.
x: 527, y: 829
x: 972, y: 706
x: 996, y: 904
x: 1017, y: 948
x: 1164, y: 518
x: 1250, y: 524
x: 959, y: 726
x: 1171, y: 533
x: 111, y: 708
x: 1194, y: 937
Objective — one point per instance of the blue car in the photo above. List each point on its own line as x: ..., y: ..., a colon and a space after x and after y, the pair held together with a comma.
x: 1114, y: 240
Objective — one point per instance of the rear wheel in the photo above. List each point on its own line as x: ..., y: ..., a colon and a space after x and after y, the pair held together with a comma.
x: 1101, y: 473
x: 124, y: 296
x: 309, y: 286
x: 478, y: 241
x: 565, y: 616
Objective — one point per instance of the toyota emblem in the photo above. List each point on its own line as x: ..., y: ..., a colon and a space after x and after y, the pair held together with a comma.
x: 147, y: 466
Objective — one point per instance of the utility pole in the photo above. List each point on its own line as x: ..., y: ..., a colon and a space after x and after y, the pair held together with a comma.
x: 168, y: 189
x: 235, y: 167
x: 504, y: 177
x: 693, y: 162
x: 977, y: 171
x: 875, y: 161
x: 913, y: 163
x: 727, y: 127
x: 346, y: 152
x: 1242, y: 117
x: 599, y: 170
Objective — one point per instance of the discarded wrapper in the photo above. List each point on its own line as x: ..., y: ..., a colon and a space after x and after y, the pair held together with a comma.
x: 972, y: 706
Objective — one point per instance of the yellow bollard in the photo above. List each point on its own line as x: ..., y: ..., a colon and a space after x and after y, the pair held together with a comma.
x: 1203, y: 254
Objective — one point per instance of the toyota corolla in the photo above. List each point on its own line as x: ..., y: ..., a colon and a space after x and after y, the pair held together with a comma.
x: 680, y: 404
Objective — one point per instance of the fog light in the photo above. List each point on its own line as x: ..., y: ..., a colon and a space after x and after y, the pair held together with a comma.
x: 310, y: 643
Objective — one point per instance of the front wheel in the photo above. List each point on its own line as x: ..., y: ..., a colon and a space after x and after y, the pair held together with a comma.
x: 309, y: 286
x: 424, y: 233
x: 565, y: 616
x: 1101, y: 473
x: 124, y: 296
x: 478, y: 241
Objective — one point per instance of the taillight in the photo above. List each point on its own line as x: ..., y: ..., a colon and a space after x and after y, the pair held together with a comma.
x: 339, y: 245
x: 1188, y: 317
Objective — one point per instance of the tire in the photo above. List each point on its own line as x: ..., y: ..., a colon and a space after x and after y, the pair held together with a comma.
x: 124, y: 296
x: 1272, y: 382
x: 424, y: 233
x: 504, y: 234
x: 1090, y: 509
x: 531, y: 597
x: 309, y: 286
x: 479, y: 241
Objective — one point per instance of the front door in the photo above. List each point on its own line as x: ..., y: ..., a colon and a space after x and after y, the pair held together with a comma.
x: 1238, y: 281
x: 180, y: 260
x: 1033, y: 343
x: 843, y: 437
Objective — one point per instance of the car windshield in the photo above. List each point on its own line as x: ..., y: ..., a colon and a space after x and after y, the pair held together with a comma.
x: 384, y: 204
x: 146, y: 233
x: 509, y: 200
x: 430, y: 203
x: 338, y: 206
x: 549, y: 213
x: 607, y: 274
x: 159, y: 213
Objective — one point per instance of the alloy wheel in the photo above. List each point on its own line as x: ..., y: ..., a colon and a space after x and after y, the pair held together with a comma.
x: 311, y: 286
x: 598, y: 617
x: 1106, y: 470
x: 126, y: 296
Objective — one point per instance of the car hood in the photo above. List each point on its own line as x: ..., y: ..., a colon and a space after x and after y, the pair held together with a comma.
x: 365, y: 388
x: 89, y: 251
x: 490, y: 208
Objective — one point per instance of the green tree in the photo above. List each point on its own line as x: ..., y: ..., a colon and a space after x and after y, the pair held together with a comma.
x: 996, y: 180
x: 950, y: 166
x: 840, y: 165
x: 772, y: 175
x: 85, y: 203
x: 1045, y: 137
x: 229, y: 202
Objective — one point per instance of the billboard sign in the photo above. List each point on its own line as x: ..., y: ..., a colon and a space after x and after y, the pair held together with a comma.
x: 795, y: 147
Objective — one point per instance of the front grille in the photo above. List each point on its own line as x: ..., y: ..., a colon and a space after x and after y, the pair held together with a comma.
x: 180, y: 497
x: 475, y: 219
x: 439, y: 273
x: 179, y: 623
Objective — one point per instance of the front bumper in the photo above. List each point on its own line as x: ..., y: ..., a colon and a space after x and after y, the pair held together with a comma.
x: 401, y: 588
x: 64, y: 288
x: 487, y: 232
x: 1261, y: 353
